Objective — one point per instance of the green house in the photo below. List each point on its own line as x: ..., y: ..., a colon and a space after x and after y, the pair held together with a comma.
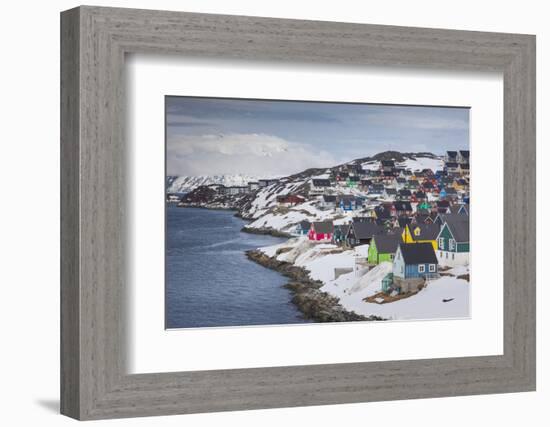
x: 387, y: 283
x: 454, y: 235
x: 453, y: 241
x: 352, y: 181
x: 423, y: 205
x: 382, y: 247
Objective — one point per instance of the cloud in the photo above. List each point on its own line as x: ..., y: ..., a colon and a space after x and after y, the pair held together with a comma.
x: 251, y: 154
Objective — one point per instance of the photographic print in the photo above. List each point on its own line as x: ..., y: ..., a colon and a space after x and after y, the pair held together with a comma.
x: 288, y: 212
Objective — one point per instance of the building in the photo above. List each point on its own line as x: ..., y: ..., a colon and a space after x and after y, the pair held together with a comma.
x: 421, y: 233
x: 349, y: 203
x: 453, y: 241
x: 319, y: 186
x: 267, y: 182
x: 340, y: 232
x: 463, y: 157
x: 451, y: 156
x: 321, y: 231
x: 415, y: 261
x: 253, y: 185
x: 290, y: 200
x: 383, y: 247
x: 303, y: 227
x: 236, y: 189
x: 328, y: 201
x: 361, y: 232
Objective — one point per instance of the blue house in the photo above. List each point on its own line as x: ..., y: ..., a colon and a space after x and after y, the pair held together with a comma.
x: 350, y: 203
x: 415, y: 260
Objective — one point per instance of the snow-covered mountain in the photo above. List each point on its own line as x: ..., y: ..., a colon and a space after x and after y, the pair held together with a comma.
x: 185, y: 184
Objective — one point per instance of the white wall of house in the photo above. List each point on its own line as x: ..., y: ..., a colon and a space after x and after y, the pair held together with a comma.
x: 452, y: 259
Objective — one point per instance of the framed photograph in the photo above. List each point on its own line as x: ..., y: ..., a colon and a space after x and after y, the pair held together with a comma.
x: 262, y: 213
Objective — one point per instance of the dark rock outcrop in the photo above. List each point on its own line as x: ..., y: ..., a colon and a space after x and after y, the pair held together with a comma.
x: 306, y: 294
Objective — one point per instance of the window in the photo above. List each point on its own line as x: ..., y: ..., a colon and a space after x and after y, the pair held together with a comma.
x: 441, y: 243
x: 421, y: 268
x: 453, y: 256
x: 432, y: 268
x: 452, y: 244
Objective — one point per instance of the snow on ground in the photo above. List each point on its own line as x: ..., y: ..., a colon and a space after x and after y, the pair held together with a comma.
x: 287, y: 220
x: 282, y: 222
x: 420, y: 163
x: 459, y: 270
x: 352, y: 288
x: 426, y: 304
x: 321, y: 266
x: 372, y: 165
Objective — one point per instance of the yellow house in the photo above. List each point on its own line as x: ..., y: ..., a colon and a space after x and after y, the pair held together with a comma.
x: 458, y: 185
x: 421, y: 233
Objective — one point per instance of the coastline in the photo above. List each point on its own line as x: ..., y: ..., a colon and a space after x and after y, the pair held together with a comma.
x: 306, y: 294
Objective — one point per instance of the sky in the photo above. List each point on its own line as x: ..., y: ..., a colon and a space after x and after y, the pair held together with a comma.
x: 266, y: 138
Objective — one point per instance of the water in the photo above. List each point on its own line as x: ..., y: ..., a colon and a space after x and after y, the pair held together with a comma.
x: 209, y: 280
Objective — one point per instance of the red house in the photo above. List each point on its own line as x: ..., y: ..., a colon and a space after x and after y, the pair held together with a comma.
x: 321, y: 231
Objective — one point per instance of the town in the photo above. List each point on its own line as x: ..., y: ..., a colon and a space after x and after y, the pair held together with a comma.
x: 384, y: 228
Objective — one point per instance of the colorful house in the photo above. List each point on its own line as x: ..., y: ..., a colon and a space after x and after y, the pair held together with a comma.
x: 321, y: 230
x: 421, y: 233
x: 353, y: 181
x: 303, y: 228
x: 414, y: 261
x: 349, y: 203
x: 340, y: 232
x: 361, y: 232
x: 423, y: 206
x: 453, y: 241
x: 383, y: 247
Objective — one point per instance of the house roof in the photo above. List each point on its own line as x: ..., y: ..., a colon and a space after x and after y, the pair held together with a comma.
x: 329, y: 198
x: 341, y: 229
x: 451, y: 165
x: 418, y: 253
x: 450, y: 190
x: 465, y: 153
x: 321, y: 182
x: 402, y: 206
x: 455, y: 209
x: 365, y: 230
x: 442, y: 203
x: 392, y: 191
x: 382, y: 212
x: 403, y: 221
x: 459, y: 226
x: 405, y: 193
x: 323, y: 227
x: 427, y: 231
x: 451, y: 154
x: 386, y: 243
x: 305, y: 225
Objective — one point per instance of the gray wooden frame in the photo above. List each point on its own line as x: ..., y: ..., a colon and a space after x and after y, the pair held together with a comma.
x: 94, y: 41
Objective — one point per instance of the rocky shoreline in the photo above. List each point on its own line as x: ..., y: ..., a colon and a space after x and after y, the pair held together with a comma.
x: 266, y: 231
x: 306, y: 294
